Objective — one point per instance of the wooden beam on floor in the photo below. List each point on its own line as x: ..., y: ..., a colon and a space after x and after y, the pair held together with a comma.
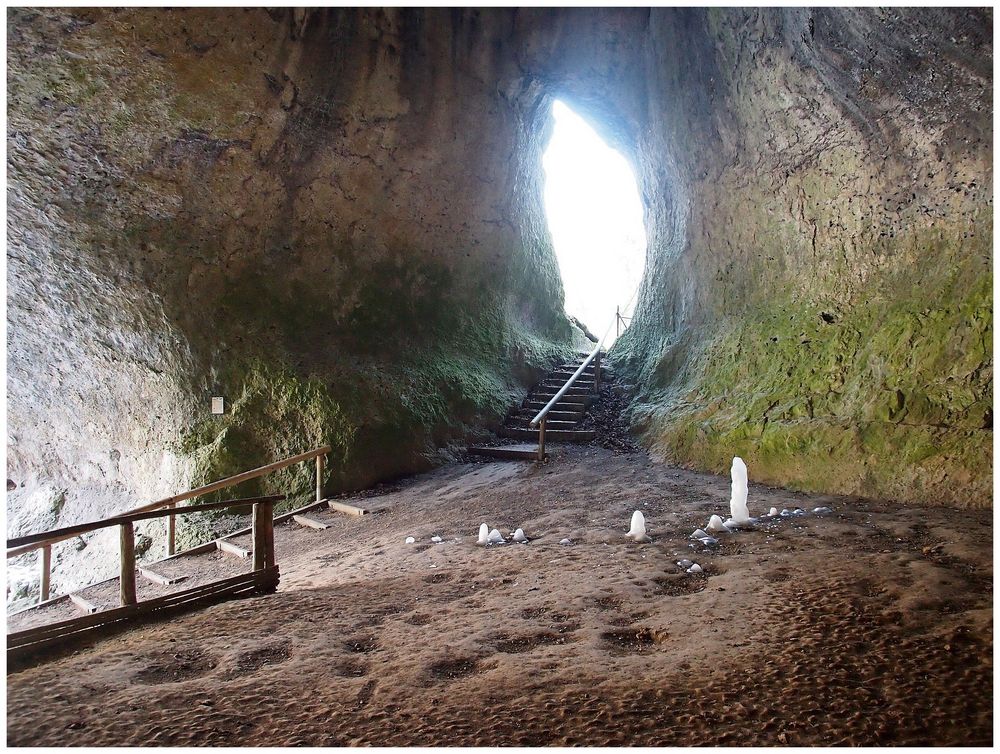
x: 159, y: 578
x: 83, y: 603
x: 231, y: 548
x: 345, y: 508
x: 310, y: 523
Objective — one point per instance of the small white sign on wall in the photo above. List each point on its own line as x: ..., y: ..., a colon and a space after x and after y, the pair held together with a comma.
x: 218, y: 405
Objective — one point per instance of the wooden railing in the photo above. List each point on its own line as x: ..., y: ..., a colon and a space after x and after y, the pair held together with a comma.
x: 44, y: 540
x: 263, y: 577
x: 539, y: 420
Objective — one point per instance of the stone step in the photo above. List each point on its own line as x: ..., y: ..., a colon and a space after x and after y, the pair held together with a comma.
x: 584, y: 382
x: 553, y: 435
x: 562, y: 416
x: 522, y: 452
x: 546, y: 393
x: 550, y: 424
x: 566, y: 404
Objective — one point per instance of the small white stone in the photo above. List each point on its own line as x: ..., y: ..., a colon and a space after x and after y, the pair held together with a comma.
x: 685, y: 563
x: 709, y: 541
x: 715, y: 524
x: 410, y: 540
x: 698, y: 534
x: 822, y: 510
x: 773, y: 512
x: 565, y: 541
x: 436, y: 540
x: 519, y: 536
x: 695, y: 569
x: 785, y: 512
x: 798, y: 512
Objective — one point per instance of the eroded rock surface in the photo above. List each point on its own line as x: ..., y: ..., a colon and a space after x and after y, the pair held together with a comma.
x: 333, y: 218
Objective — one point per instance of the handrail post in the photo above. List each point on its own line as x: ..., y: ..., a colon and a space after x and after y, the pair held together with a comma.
x: 269, y: 535
x: 45, y: 566
x: 263, y: 536
x: 541, y: 442
x: 127, y: 574
x: 618, y: 317
x: 171, y: 532
x: 320, y: 463
x: 597, y: 373
x: 258, y: 536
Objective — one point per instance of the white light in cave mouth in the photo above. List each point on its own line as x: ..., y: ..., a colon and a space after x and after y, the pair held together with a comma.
x: 595, y: 217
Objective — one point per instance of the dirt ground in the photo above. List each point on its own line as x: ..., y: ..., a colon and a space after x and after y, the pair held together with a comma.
x: 869, y: 625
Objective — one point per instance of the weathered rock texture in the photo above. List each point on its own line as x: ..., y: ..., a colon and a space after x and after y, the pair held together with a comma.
x: 309, y: 213
x: 333, y: 218
x: 819, y: 291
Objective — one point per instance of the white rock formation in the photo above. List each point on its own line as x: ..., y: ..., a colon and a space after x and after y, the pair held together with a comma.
x: 699, y: 534
x: 519, y: 536
x: 484, y: 534
x: 715, y: 525
x: 637, y: 530
x: 410, y: 540
x: 496, y: 537
x: 738, y: 499
x: 695, y: 568
x: 436, y: 540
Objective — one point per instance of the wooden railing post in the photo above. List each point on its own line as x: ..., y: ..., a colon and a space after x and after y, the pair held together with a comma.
x: 127, y: 575
x: 45, y: 572
x: 541, y: 441
x: 263, y: 535
x: 258, y: 536
x: 320, y: 463
x: 171, y: 532
x: 597, y: 373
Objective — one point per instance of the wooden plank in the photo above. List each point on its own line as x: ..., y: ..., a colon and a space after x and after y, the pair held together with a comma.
x: 20, y: 544
x: 126, y: 578
x: 255, y: 582
x: 310, y: 523
x: 345, y: 508
x: 232, y: 548
x: 507, y: 453
x: 253, y: 578
x: 159, y: 578
x: 83, y: 603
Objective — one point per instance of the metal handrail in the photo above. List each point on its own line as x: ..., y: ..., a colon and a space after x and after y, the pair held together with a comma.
x: 569, y: 383
x: 539, y: 419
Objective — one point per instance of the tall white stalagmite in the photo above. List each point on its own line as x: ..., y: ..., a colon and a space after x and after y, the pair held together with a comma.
x: 484, y: 534
x: 738, y: 501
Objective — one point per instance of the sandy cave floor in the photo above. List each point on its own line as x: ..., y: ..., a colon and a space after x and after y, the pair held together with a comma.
x: 871, y: 625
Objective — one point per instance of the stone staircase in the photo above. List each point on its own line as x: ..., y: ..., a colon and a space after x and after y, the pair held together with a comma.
x: 562, y: 421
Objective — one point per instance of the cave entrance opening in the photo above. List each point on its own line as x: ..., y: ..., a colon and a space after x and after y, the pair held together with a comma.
x: 595, y: 217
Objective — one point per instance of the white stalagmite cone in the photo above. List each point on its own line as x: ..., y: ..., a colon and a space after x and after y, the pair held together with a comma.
x: 484, y: 534
x: 738, y: 499
x: 496, y: 537
x: 637, y: 530
x: 715, y: 525
x: 695, y: 568
x: 773, y: 512
x: 410, y: 540
x: 519, y: 536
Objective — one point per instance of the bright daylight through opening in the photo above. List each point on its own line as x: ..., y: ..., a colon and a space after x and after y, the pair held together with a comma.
x: 595, y: 217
